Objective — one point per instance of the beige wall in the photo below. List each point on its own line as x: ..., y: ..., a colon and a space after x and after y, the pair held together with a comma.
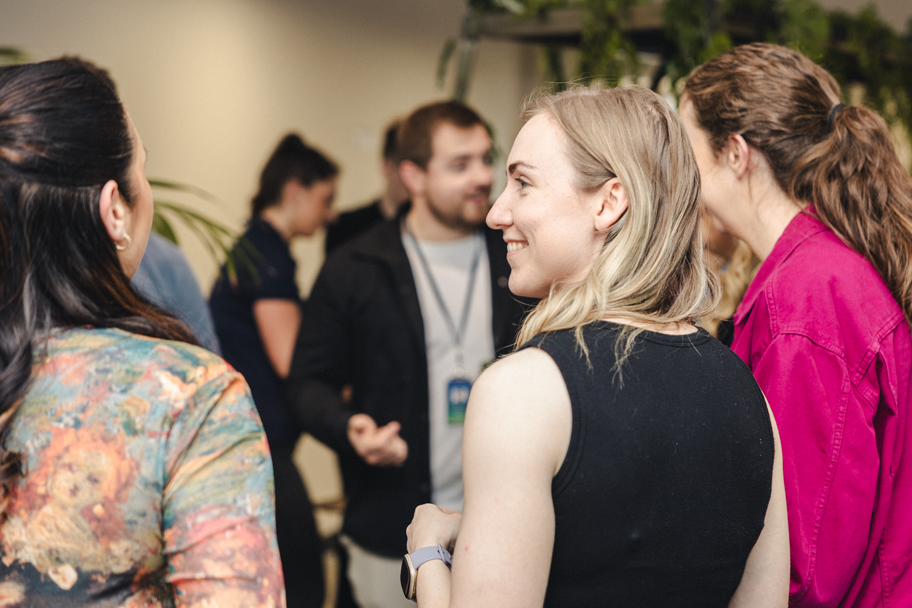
x: 213, y: 84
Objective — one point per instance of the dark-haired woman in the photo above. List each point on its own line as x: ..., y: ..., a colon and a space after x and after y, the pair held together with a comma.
x: 257, y: 314
x: 817, y: 191
x: 134, y: 470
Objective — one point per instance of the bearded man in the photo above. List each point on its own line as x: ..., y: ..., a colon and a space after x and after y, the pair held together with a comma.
x: 406, y: 315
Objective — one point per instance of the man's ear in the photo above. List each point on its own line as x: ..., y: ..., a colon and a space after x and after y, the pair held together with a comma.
x: 413, y: 177
x: 611, y: 203
x: 113, y: 209
x: 737, y: 154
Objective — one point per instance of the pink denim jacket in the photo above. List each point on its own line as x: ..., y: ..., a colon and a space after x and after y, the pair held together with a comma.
x: 832, y: 351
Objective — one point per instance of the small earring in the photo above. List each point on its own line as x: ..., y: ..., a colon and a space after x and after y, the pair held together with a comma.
x: 120, y: 247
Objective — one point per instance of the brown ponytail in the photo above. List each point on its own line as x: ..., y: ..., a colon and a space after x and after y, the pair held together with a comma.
x: 842, y: 162
x: 860, y: 189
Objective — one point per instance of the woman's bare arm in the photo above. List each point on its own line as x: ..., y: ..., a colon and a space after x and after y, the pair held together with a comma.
x: 277, y: 321
x: 518, y: 424
x: 765, y: 583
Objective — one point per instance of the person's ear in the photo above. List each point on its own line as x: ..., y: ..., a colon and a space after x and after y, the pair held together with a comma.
x: 114, y: 210
x: 737, y: 154
x: 611, y: 204
x: 291, y: 189
x: 413, y: 177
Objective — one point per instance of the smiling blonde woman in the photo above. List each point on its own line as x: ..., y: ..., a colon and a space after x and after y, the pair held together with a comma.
x: 621, y: 456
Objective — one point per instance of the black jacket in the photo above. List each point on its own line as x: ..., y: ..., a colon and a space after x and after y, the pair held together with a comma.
x: 362, y: 326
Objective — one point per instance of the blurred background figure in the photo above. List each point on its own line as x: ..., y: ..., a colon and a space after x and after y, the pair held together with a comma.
x: 736, y: 265
x: 134, y: 468
x: 817, y: 191
x: 406, y: 314
x: 165, y: 277
x: 352, y: 223
x: 257, y: 314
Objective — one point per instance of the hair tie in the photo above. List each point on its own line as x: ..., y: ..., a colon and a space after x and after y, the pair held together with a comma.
x: 834, y: 112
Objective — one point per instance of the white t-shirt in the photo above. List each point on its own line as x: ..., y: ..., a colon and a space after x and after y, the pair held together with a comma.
x: 450, y: 263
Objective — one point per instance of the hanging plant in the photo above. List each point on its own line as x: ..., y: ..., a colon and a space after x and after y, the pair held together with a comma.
x: 865, y: 50
x: 858, y: 50
x: 607, y: 52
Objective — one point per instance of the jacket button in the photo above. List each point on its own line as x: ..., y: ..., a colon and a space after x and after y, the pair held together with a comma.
x: 502, y: 281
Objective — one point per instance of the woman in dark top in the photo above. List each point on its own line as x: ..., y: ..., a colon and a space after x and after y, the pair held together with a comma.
x: 257, y: 314
x: 621, y: 457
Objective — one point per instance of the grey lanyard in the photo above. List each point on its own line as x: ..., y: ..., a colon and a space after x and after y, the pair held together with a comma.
x: 456, y: 334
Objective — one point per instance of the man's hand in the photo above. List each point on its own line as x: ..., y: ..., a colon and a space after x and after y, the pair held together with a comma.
x: 378, y: 446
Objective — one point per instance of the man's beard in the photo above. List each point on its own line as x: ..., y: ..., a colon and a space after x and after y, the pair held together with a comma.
x: 456, y: 220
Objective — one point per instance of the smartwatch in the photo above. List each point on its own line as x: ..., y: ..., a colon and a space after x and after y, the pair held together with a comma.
x: 408, y: 575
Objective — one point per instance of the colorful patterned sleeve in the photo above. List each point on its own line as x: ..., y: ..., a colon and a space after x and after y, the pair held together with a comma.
x: 217, y: 507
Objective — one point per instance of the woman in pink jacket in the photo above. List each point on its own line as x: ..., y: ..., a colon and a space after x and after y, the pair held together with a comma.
x: 817, y: 191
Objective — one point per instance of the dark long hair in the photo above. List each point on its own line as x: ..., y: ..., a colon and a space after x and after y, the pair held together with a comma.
x: 292, y: 159
x: 63, y: 135
x: 841, y: 161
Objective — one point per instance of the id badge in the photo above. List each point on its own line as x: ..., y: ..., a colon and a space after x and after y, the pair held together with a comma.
x: 457, y: 398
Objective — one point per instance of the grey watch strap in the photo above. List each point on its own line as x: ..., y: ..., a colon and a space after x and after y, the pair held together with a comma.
x: 427, y: 554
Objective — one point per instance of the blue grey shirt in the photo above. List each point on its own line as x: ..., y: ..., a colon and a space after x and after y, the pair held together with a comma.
x: 165, y: 277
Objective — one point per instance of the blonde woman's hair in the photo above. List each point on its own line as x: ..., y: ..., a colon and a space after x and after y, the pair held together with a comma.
x: 651, y: 268
x: 735, y: 279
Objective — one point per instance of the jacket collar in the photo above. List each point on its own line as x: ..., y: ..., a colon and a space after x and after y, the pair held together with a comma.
x: 384, y: 245
x: 385, y: 242
x: 802, y: 227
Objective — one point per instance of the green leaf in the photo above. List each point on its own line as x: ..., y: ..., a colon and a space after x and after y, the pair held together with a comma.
x: 11, y: 55
x: 162, y: 226
x: 444, y: 61
x: 514, y: 6
x: 805, y: 27
x: 181, y: 187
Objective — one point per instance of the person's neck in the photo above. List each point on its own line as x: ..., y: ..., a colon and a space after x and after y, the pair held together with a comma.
x: 277, y: 218
x: 669, y: 329
x: 389, y: 205
x: 767, y: 220
x: 426, y: 227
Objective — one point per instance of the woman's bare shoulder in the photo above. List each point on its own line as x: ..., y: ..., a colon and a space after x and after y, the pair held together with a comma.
x: 529, y: 363
x: 525, y: 395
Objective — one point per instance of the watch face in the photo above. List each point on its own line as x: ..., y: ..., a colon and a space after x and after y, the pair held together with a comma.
x: 406, y: 578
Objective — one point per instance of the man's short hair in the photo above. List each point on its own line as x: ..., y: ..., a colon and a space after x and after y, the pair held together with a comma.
x: 417, y: 131
x: 390, y: 137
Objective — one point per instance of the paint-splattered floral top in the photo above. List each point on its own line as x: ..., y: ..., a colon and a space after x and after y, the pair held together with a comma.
x: 147, y: 481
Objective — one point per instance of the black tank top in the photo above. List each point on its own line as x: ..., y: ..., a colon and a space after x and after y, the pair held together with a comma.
x: 668, y: 474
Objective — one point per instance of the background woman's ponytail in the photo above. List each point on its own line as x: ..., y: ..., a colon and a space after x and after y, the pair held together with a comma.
x: 859, y: 188
x: 843, y: 162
